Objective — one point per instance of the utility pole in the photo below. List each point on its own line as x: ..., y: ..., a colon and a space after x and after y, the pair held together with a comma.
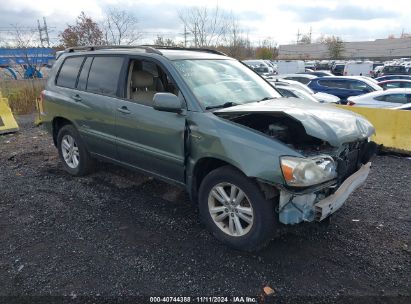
x: 298, y: 36
x: 43, y: 32
x: 195, y: 35
x: 185, y: 36
x: 311, y: 31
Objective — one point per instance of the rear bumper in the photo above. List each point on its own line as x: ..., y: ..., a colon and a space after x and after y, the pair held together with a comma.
x: 332, y: 203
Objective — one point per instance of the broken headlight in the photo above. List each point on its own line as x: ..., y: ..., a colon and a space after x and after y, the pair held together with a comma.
x: 304, y: 172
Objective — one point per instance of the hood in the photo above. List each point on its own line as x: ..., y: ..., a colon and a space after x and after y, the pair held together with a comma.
x: 327, y: 98
x: 326, y: 122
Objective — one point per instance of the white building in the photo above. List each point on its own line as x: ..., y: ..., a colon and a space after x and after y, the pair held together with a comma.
x: 378, y: 49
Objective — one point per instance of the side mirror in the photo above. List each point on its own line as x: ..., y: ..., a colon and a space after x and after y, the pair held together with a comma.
x: 167, y: 102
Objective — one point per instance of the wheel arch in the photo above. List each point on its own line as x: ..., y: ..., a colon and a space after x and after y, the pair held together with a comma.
x: 57, y: 123
x: 201, y: 168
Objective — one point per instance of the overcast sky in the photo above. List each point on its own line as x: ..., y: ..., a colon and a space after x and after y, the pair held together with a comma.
x: 276, y: 19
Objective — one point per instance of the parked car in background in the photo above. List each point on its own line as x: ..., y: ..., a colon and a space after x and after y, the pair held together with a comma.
x: 310, y: 65
x: 343, y: 87
x: 395, y: 83
x: 318, y: 73
x: 289, y: 91
x: 262, y: 70
x: 290, y: 66
x: 320, y: 96
x: 382, y: 99
x: 338, y: 69
x: 323, y: 65
x: 393, y: 70
x: 377, y: 71
x: 260, y: 64
x: 389, y: 77
x: 358, y: 68
x: 301, y: 77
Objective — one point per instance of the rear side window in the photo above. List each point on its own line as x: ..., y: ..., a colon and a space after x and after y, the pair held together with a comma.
x: 334, y: 84
x: 394, y: 98
x: 82, y: 79
x: 67, y: 76
x: 104, y: 75
x: 394, y: 69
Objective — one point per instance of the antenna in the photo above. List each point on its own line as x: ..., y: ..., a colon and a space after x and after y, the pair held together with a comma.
x: 43, y: 32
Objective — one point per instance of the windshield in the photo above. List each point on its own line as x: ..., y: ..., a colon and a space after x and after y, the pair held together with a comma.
x: 372, y: 84
x: 219, y: 82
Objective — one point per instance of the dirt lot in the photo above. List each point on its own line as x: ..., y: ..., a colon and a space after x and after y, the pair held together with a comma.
x: 119, y: 233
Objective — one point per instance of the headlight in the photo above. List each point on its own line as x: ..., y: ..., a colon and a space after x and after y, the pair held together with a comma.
x: 303, y: 172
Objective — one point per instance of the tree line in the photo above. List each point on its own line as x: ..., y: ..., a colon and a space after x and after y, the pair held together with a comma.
x: 204, y: 27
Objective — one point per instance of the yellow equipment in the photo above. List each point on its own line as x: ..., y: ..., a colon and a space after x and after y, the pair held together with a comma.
x: 392, y: 127
x: 7, y: 122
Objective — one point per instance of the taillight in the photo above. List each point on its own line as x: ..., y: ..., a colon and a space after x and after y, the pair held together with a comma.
x: 350, y: 103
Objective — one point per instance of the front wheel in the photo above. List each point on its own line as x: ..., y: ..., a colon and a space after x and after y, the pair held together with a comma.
x: 234, y: 209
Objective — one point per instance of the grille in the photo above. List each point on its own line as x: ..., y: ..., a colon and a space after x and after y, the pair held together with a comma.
x: 349, y: 159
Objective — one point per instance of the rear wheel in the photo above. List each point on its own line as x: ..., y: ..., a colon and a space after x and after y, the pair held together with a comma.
x: 72, y: 151
x: 235, y: 210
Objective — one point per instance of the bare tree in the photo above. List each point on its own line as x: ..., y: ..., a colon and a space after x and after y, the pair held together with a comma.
x: 161, y: 41
x: 26, y: 60
x: 208, y: 27
x: 120, y: 27
x: 305, y: 39
x: 235, y: 43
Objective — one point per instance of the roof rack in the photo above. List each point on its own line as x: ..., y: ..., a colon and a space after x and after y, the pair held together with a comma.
x: 162, y: 47
x: 148, y: 49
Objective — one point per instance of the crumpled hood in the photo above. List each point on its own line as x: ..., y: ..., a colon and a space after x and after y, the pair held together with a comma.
x: 326, y: 122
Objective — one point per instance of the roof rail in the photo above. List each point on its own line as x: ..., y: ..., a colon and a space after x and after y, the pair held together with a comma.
x: 162, y: 47
x: 148, y: 49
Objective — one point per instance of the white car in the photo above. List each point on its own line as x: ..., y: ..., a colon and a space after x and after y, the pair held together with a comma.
x: 289, y: 91
x: 320, y: 96
x: 259, y: 63
x: 303, y: 78
x: 391, y: 98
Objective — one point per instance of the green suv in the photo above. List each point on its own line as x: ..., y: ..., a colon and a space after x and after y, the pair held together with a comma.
x: 251, y: 160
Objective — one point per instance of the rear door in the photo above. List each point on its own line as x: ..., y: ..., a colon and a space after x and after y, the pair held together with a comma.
x: 149, y: 139
x: 98, y: 85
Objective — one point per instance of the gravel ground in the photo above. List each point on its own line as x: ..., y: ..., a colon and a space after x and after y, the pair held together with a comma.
x: 118, y: 233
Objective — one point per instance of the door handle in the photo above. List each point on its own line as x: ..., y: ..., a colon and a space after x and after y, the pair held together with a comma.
x: 124, y: 110
x: 77, y: 97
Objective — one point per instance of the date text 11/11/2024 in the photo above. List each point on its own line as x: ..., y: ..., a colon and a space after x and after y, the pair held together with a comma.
x: 205, y: 299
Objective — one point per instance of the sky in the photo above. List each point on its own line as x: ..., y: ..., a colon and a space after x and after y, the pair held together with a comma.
x: 277, y: 20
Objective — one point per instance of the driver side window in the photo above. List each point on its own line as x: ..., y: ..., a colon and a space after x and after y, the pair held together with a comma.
x: 145, y: 79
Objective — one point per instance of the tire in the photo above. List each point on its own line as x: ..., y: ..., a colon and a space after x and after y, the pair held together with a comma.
x: 264, y: 220
x: 79, y: 162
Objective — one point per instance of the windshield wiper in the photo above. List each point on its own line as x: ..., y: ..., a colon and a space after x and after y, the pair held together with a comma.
x: 267, y: 98
x: 224, y: 105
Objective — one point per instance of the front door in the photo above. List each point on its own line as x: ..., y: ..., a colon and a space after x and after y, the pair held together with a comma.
x: 148, y: 139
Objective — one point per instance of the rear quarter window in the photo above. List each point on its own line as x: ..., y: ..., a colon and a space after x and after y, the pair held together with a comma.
x: 104, y: 75
x: 68, y: 73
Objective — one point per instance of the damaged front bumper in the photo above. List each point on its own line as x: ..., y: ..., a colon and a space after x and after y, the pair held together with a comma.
x: 295, y: 208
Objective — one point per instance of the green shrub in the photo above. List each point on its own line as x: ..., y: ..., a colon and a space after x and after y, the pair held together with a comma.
x: 22, y: 94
